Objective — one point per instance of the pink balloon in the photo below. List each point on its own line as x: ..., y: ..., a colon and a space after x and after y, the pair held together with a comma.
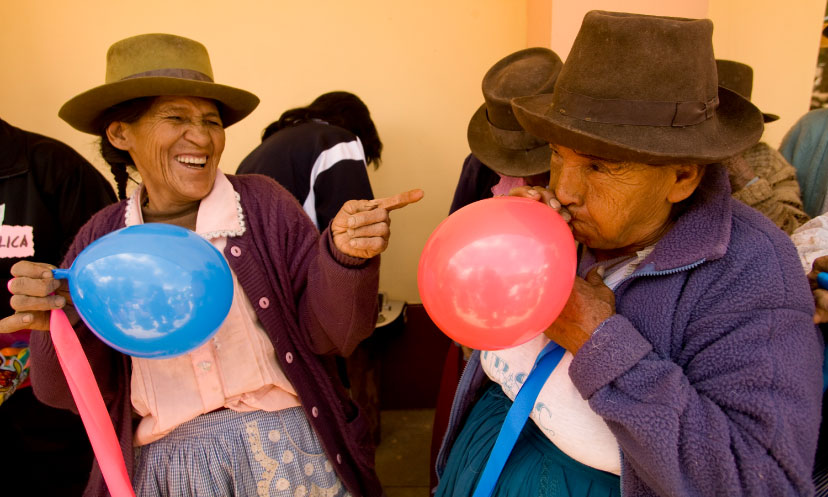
x: 90, y: 405
x: 497, y: 273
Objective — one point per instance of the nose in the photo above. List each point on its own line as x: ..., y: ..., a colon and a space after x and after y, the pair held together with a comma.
x: 198, y: 133
x: 569, y: 184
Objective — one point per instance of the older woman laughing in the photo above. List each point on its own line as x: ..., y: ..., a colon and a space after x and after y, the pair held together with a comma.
x: 257, y: 409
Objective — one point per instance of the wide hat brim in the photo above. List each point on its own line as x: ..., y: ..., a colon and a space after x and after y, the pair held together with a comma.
x: 735, y: 126
x: 82, y: 111
x: 500, y: 159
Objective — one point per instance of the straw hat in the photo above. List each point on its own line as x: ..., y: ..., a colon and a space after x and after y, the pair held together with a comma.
x: 153, y: 65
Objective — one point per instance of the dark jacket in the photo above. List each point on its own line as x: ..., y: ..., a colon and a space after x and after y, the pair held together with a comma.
x: 45, y: 184
x: 322, y: 165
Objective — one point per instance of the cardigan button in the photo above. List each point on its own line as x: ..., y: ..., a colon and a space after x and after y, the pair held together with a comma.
x: 315, y: 412
x: 289, y: 358
x: 264, y: 302
x: 236, y: 251
x: 339, y: 458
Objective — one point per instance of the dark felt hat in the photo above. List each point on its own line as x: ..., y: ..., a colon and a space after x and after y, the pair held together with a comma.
x: 644, y: 89
x: 738, y: 77
x: 152, y: 65
x: 494, y: 134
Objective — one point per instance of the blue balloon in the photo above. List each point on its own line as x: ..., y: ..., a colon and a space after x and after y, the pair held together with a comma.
x: 151, y: 290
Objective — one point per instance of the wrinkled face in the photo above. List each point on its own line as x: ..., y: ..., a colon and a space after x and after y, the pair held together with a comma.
x: 617, y: 207
x: 176, y: 146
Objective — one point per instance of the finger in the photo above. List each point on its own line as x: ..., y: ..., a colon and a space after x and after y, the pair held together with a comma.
x: 63, y: 291
x: 400, y: 200
x: 354, y: 206
x: 371, y: 230
x: 30, y: 269
x: 367, y: 218
x: 595, y: 276
x: 26, y: 303
x: 25, y: 321
x: 821, y: 300
x: 525, y: 192
x: 541, y: 194
x: 373, y: 245
x: 35, y: 287
x: 820, y: 264
x: 548, y: 197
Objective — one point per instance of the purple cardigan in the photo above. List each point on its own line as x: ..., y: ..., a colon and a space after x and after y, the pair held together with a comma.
x: 319, y: 302
x: 709, y: 375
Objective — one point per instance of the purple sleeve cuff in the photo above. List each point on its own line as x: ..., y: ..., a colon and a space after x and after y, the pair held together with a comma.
x: 342, y: 258
x: 615, y: 347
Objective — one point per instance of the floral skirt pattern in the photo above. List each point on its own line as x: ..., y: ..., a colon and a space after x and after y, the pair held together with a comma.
x: 228, y: 453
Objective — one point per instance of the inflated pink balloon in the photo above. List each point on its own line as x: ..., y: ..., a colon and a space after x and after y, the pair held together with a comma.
x: 497, y: 273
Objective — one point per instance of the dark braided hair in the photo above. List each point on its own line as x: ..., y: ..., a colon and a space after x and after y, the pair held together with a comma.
x: 339, y: 108
x: 119, y: 160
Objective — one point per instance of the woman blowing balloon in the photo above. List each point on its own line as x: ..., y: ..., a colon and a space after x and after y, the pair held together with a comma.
x: 692, y: 364
x: 256, y: 410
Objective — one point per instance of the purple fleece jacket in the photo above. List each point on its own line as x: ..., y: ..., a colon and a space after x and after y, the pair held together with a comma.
x: 320, y: 302
x: 709, y: 373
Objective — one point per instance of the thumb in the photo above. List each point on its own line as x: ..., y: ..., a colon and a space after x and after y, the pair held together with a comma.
x: 595, y: 276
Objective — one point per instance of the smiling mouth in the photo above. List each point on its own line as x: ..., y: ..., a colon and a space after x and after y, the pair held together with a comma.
x: 192, y: 161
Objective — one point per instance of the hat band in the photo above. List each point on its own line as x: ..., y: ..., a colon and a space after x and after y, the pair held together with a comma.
x: 633, y: 112
x: 514, y: 140
x: 172, y: 73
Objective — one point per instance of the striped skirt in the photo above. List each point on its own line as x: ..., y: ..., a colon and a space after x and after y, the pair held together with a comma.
x: 228, y: 453
x: 535, y: 468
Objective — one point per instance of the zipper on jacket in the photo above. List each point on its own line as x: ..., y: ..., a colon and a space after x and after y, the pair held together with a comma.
x: 646, y: 272
x: 663, y: 272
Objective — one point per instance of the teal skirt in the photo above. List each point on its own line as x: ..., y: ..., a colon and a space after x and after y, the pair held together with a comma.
x: 535, y: 467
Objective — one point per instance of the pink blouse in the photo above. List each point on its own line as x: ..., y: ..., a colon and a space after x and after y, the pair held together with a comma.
x: 236, y: 369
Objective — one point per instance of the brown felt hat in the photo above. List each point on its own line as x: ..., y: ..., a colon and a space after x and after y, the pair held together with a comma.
x: 153, y: 65
x: 738, y: 77
x: 643, y: 89
x: 494, y: 134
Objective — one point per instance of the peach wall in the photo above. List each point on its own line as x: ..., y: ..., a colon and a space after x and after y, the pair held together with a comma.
x: 418, y: 66
x: 780, y: 40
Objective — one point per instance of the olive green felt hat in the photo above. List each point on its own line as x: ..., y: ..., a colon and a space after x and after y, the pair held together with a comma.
x: 643, y: 89
x: 152, y: 65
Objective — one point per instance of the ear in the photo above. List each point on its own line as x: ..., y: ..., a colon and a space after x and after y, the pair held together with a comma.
x: 118, y: 135
x: 687, y: 178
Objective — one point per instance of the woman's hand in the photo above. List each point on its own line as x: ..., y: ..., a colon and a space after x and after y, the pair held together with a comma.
x: 34, y: 294
x: 541, y: 194
x: 820, y: 295
x: 361, y: 228
x: 590, y: 304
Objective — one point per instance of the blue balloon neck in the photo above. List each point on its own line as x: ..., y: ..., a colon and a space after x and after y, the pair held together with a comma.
x: 60, y: 274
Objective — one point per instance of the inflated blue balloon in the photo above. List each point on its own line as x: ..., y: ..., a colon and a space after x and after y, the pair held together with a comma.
x: 151, y: 290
